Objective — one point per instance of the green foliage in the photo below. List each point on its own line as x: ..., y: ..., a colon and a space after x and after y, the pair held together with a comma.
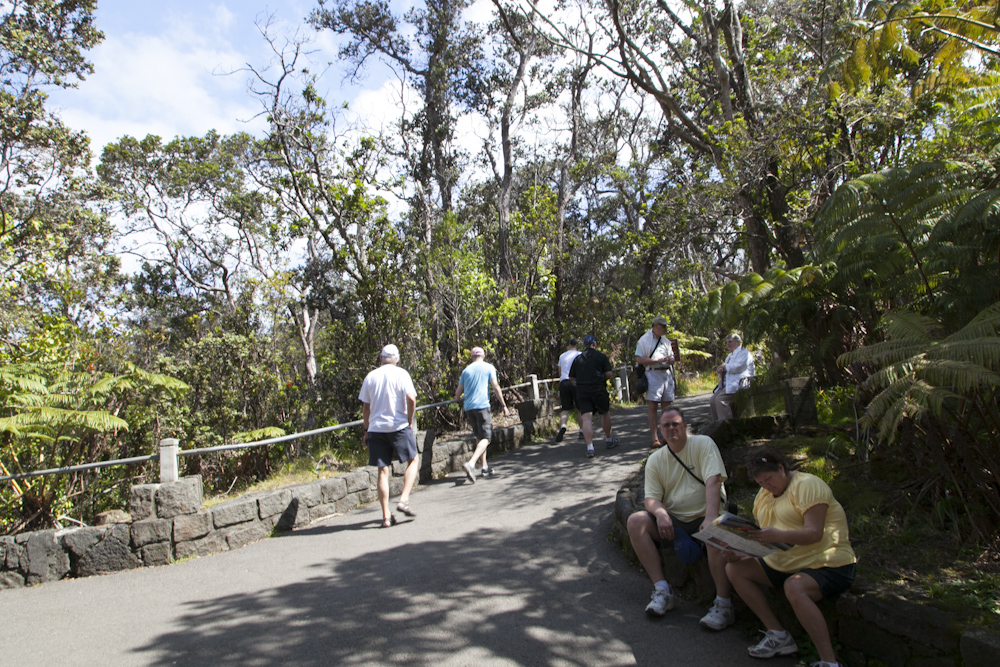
x: 64, y: 411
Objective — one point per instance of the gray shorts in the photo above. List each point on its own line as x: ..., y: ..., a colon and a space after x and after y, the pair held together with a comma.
x: 481, y: 423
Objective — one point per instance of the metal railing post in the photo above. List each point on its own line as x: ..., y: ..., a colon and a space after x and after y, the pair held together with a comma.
x: 618, y: 388
x: 624, y: 382
x: 533, y: 379
x: 168, y: 460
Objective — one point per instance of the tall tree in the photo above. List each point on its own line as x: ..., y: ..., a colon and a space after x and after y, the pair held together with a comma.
x: 432, y: 47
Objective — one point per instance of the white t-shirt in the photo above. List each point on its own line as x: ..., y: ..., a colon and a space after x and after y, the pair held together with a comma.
x: 648, y: 347
x: 385, y: 390
x: 566, y: 362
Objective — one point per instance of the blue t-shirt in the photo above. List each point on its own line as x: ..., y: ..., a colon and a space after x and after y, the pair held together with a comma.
x: 475, y: 382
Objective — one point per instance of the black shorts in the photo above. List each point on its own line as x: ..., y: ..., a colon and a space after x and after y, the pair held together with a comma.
x: 381, y: 447
x: 567, y: 394
x: 832, y: 580
x: 481, y: 423
x: 598, y: 402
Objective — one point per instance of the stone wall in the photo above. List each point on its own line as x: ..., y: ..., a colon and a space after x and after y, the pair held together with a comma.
x: 168, y: 521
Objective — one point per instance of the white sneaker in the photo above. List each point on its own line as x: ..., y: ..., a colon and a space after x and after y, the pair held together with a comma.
x: 770, y: 646
x: 719, y: 617
x: 470, y: 472
x: 660, y: 602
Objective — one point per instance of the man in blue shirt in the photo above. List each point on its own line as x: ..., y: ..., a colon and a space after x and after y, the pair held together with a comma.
x: 475, y: 384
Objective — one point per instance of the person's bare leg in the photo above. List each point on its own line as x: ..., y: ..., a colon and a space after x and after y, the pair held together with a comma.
x: 383, y: 492
x: 606, y: 424
x: 480, y: 451
x: 803, y: 592
x: 640, y: 533
x: 651, y: 418
x: 750, y: 581
x: 717, y: 566
x: 587, y: 427
x: 409, y: 479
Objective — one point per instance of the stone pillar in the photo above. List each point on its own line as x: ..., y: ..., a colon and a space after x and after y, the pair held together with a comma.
x: 168, y: 460
x: 533, y: 379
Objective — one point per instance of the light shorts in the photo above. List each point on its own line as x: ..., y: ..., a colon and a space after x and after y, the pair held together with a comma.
x: 661, y: 385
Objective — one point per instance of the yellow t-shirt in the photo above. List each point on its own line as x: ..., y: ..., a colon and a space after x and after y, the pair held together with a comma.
x: 785, y: 513
x: 681, y: 494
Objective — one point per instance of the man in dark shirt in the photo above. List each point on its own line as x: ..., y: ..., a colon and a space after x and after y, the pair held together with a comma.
x: 592, y: 370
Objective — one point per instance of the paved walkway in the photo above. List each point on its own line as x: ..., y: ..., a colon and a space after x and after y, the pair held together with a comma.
x: 514, y: 570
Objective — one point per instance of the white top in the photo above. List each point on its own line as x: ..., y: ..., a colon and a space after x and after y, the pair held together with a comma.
x: 648, y: 347
x: 385, y: 390
x: 739, y: 365
x: 565, y: 362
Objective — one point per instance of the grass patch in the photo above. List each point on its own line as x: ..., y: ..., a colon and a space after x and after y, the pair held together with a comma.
x: 304, y: 469
x: 695, y: 383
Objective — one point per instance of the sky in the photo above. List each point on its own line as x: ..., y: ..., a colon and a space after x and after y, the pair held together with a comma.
x: 177, y: 68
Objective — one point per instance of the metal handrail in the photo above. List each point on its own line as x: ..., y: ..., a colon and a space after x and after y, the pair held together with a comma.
x: 224, y: 448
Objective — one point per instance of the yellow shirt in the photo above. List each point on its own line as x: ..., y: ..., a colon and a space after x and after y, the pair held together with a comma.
x: 785, y: 512
x: 681, y: 494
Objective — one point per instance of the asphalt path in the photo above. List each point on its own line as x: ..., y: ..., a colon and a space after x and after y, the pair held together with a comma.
x: 514, y: 570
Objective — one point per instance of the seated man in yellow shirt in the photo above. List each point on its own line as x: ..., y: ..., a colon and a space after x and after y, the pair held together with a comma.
x: 683, y: 493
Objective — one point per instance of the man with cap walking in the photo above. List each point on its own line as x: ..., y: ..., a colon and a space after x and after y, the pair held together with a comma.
x: 390, y: 401
x: 655, y: 352
x: 592, y: 370
x: 475, y: 384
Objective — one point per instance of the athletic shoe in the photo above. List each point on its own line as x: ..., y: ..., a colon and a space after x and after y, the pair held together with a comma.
x: 560, y: 434
x: 660, y: 602
x: 719, y: 617
x: 470, y: 472
x: 771, y: 646
x: 487, y: 472
x: 590, y: 453
x: 579, y: 435
x: 612, y: 443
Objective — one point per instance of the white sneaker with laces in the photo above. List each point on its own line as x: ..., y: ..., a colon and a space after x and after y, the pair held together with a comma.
x: 770, y: 646
x: 660, y: 602
x: 470, y: 472
x: 719, y: 617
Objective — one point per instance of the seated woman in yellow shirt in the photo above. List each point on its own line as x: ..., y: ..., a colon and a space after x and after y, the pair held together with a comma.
x: 798, y: 509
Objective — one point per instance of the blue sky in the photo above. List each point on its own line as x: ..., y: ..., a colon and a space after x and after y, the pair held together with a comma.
x: 165, y: 67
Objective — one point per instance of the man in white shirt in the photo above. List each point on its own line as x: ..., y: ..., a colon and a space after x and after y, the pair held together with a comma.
x: 390, y: 402
x: 567, y: 386
x: 655, y: 352
x: 734, y: 374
